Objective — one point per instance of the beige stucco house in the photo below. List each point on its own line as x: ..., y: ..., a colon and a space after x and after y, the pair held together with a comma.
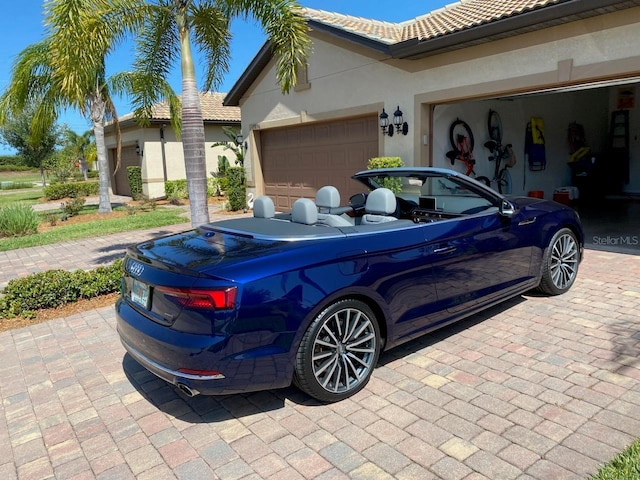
x: 560, y: 60
x: 157, y: 150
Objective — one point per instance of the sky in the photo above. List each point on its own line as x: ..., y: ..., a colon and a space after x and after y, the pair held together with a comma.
x: 21, y: 24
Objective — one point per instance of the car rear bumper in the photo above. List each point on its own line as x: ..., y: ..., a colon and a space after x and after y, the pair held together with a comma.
x: 165, y: 352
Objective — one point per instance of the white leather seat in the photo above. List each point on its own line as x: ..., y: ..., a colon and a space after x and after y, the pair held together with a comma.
x: 381, y: 203
x: 263, y: 207
x: 304, y: 211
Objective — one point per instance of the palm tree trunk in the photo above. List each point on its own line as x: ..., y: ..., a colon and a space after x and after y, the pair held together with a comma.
x: 96, y: 113
x: 192, y: 132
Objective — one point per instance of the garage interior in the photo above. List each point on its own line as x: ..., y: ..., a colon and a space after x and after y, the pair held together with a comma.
x: 606, y: 176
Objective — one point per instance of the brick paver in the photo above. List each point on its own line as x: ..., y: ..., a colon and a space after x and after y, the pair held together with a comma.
x: 539, y: 387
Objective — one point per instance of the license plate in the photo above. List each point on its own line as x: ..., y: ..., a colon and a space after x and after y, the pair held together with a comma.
x: 140, y: 293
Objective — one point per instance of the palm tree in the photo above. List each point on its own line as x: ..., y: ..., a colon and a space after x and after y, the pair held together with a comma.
x: 66, y: 69
x: 165, y: 31
x: 79, y: 146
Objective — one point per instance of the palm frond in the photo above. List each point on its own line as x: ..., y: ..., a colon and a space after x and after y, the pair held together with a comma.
x: 286, y: 29
x: 212, y: 37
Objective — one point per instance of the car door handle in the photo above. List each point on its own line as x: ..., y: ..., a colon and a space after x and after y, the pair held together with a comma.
x: 443, y: 250
x: 527, y: 222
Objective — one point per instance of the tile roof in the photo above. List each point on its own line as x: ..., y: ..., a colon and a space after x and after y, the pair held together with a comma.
x: 212, y: 109
x: 451, y: 18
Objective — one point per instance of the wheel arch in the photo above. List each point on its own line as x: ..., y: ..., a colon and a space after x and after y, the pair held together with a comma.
x: 377, y: 305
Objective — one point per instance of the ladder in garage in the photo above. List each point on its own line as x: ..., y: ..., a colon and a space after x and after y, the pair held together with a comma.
x: 618, y: 162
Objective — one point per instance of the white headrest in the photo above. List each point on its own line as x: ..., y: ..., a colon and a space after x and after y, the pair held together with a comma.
x: 381, y: 201
x: 328, y: 197
x: 304, y: 211
x: 263, y: 207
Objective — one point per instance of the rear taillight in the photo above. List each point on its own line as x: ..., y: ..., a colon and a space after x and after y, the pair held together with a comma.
x: 202, y: 299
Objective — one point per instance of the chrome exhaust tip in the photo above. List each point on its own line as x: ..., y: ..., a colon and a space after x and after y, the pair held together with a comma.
x: 188, y: 391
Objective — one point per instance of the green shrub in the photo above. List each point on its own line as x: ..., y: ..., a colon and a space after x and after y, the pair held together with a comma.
x: 73, y: 207
x: 52, y: 288
x: 134, y: 174
x: 11, y: 160
x: 57, y: 191
x: 237, y: 191
x: 176, y: 188
x: 93, y: 174
x: 14, y: 168
x: 384, y: 162
x: 393, y: 184
x: 18, y: 220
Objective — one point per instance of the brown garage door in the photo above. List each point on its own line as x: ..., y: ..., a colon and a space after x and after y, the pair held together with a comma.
x: 128, y: 158
x: 297, y: 161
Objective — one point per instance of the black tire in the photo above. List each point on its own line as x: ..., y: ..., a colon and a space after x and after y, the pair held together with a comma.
x: 560, y: 263
x: 494, y: 124
x: 460, y: 127
x: 338, y: 352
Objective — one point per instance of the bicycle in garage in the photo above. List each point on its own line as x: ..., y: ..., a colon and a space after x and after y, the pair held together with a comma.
x: 502, y: 156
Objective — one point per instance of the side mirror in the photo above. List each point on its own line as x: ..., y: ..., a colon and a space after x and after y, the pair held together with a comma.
x: 507, y: 209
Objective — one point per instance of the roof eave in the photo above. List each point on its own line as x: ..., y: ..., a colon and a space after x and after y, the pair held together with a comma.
x: 533, y: 20
x: 265, y: 55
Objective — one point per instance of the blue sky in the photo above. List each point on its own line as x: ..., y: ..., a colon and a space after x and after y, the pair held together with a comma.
x: 21, y: 24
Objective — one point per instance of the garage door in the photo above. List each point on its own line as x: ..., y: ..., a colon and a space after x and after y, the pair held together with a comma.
x: 297, y: 161
x: 129, y: 158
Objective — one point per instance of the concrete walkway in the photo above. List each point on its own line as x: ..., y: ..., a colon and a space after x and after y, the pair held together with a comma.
x: 537, y: 388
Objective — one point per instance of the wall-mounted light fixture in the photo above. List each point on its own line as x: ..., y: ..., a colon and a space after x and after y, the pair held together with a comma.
x: 239, y: 138
x: 398, y: 122
x: 139, y: 151
x: 384, y: 124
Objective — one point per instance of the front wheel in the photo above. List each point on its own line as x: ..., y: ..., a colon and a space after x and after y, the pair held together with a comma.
x: 338, y: 352
x: 560, y: 263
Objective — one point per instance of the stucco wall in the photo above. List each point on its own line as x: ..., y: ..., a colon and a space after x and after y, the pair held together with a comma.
x: 347, y: 81
x: 151, y: 144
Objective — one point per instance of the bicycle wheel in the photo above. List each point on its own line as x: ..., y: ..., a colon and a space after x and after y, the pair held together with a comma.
x: 459, y: 134
x: 504, y: 181
x: 495, y: 126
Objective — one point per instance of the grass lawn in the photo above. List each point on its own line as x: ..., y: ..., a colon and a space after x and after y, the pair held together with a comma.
x: 26, y: 176
x: 29, y: 196
x: 625, y: 466
x: 62, y: 232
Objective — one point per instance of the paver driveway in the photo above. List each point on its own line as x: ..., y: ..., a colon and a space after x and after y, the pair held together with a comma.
x: 538, y: 388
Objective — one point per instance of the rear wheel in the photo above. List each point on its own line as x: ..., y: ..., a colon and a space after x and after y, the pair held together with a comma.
x: 560, y: 263
x: 461, y: 137
x: 338, y: 352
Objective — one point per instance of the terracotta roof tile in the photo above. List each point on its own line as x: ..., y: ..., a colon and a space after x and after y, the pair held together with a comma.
x: 454, y: 17
x: 212, y: 109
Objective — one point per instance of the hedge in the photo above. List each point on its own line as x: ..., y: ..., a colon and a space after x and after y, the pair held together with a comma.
x: 237, y: 191
x: 134, y: 174
x: 57, y: 191
x: 53, y: 288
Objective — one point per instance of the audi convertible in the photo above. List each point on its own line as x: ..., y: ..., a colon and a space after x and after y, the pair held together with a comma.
x: 312, y: 296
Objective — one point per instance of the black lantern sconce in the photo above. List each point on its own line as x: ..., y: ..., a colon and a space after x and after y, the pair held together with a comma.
x: 384, y: 124
x: 398, y: 121
x: 139, y: 151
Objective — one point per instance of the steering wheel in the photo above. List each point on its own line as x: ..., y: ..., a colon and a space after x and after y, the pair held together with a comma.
x: 404, y: 208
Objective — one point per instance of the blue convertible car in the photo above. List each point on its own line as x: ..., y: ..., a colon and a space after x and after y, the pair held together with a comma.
x: 313, y: 296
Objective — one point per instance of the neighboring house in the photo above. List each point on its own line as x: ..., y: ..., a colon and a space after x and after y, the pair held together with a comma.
x: 157, y: 150
x: 561, y: 60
